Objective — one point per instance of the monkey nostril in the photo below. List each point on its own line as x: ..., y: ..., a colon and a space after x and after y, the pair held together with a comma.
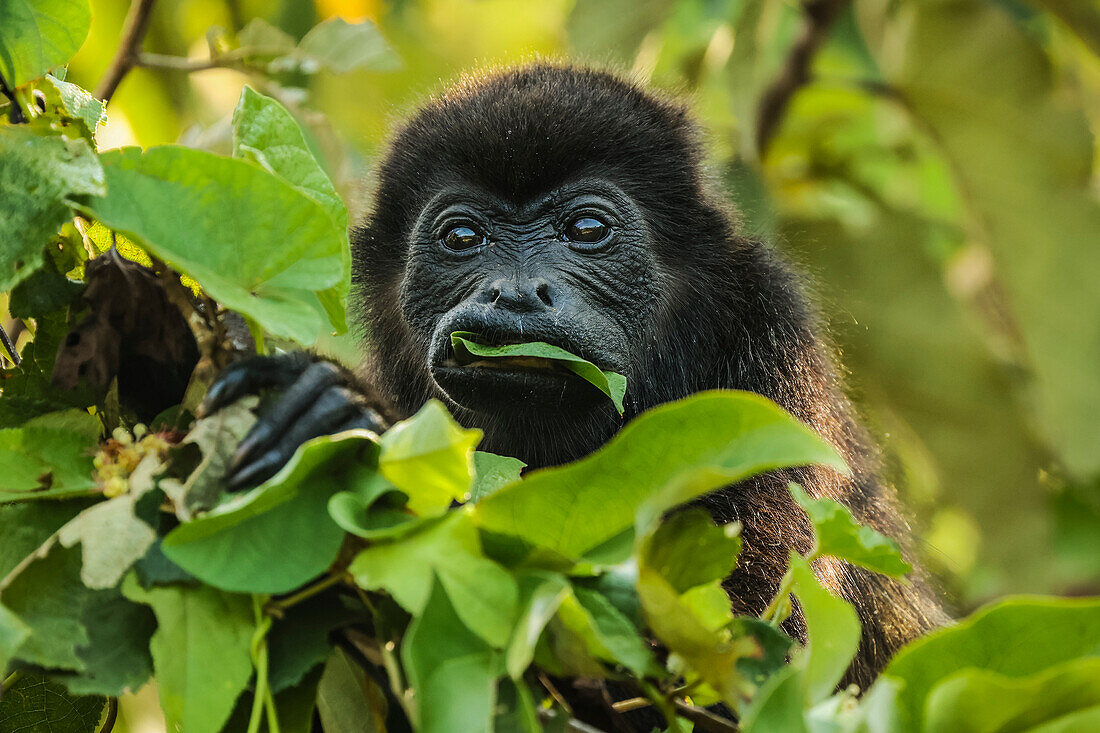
x: 494, y: 294
x: 543, y: 291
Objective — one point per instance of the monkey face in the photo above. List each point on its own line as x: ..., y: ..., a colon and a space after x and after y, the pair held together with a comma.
x: 573, y: 267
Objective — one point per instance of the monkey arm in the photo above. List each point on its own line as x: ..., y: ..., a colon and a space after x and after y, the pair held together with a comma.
x: 318, y: 398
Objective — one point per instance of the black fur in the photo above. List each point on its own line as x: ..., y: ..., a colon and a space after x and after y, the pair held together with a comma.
x: 728, y: 312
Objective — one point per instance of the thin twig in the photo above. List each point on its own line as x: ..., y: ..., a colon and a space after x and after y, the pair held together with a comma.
x: 137, y: 24
x: 820, y: 15
x: 9, y: 347
x: 228, y: 60
x: 277, y: 607
x: 703, y: 719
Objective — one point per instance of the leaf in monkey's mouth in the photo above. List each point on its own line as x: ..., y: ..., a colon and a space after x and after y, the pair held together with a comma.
x: 537, y: 355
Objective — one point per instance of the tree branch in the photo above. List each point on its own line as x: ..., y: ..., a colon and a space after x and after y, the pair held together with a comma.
x: 820, y: 15
x: 137, y: 24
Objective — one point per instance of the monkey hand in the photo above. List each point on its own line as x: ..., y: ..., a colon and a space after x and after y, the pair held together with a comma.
x: 318, y: 398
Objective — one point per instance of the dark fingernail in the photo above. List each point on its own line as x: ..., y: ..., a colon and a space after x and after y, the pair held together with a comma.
x: 258, y: 471
x: 260, y: 434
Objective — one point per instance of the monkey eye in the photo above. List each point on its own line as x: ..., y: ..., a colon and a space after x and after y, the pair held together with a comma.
x: 586, y: 230
x: 462, y: 238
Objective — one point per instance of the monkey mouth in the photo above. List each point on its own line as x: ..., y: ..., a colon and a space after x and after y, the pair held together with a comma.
x: 506, y: 363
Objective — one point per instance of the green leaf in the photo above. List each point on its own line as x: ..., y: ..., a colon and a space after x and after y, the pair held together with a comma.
x: 679, y: 450
x: 492, y: 472
x: 25, y: 526
x: 839, y: 535
x: 116, y: 658
x: 40, y: 177
x: 200, y: 651
x: 37, y: 35
x: 12, y: 633
x: 616, y: 27
x: 265, y: 133
x: 712, y: 653
x: 774, y: 647
x: 453, y: 670
x: 36, y: 704
x: 48, y: 597
x: 71, y: 102
x: 111, y: 537
x: 430, y: 458
x: 373, y: 509
x: 540, y: 595
x: 977, y: 699
x: 615, y: 633
x: 778, y: 705
x: 206, y: 452
x: 260, y: 38
x: 298, y: 641
x: 832, y: 631
x: 50, y: 455
x: 348, y: 700
x: 1072, y: 723
x: 612, y: 384
x: 171, y: 200
x: 278, y: 535
x: 1015, y: 638
x: 341, y: 47
x: 688, y: 549
x: 447, y: 551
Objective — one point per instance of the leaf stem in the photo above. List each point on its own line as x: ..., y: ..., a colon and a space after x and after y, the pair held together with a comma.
x: 276, y: 608
x: 10, y: 680
x: 668, y: 710
x: 262, y: 700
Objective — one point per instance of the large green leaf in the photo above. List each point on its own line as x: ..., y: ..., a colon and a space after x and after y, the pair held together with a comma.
x: 49, y: 456
x: 1015, y: 638
x: 25, y: 526
x: 979, y: 700
x: 449, y: 552
x: 267, y: 254
x: 39, y: 178
x: 35, y: 704
x: 681, y: 450
x: 1020, y: 153
x: 430, y: 458
x: 278, y: 535
x: 453, y: 670
x: 838, y: 534
x: 832, y: 631
x: 266, y: 133
x: 611, y: 384
x: 200, y: 651
x: 37, y: 35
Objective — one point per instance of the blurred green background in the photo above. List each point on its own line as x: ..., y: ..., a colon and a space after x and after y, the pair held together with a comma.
x: 933, y: 173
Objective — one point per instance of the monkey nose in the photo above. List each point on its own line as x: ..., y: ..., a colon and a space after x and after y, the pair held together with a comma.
x: 520, y: 294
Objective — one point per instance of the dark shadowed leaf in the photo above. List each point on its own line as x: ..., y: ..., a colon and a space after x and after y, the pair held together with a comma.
x: 35, y: 704
x: 348, y: 700
x: 688, y: 549
x: 540, y: 594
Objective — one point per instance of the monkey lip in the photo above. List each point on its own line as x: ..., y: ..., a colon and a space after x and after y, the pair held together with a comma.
x: 536, y: 363
x: 503, y: 385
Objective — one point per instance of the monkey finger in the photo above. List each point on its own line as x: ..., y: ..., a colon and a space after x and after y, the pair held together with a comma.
x: 273, y: 423
x: 366, y: 419
x: 328, y: 413
x: 251, y: 375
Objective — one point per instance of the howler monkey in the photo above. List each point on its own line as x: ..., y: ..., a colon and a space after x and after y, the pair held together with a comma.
x: 567, y: 205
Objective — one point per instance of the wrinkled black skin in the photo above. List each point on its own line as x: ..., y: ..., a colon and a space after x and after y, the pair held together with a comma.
x: 676, y: 300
